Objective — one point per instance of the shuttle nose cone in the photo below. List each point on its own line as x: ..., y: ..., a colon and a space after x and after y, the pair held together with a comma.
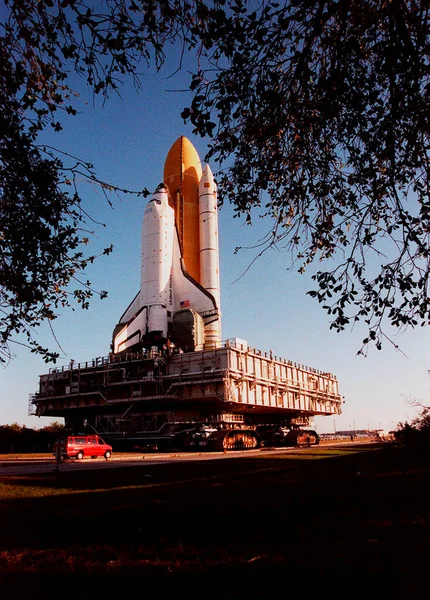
x: 161, y: 188
x: 161, y: 194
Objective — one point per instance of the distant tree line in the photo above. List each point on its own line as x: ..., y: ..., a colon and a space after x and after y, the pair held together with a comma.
x: 17, y: 438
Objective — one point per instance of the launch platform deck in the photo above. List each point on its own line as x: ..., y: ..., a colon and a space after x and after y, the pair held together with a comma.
x: 233, y: 379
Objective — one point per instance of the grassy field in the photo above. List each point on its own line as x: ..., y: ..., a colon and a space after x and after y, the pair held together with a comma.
x: 353, y: 519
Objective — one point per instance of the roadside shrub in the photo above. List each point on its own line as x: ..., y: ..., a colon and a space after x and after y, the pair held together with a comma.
x: 416, y: 434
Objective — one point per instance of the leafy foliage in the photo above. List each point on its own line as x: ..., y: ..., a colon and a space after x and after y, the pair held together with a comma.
x: 318, y: 114
x: 41, y: 213
x: 322, y: 118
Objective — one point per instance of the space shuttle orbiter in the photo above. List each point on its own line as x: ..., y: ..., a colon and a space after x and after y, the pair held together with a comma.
x: 179, y: 297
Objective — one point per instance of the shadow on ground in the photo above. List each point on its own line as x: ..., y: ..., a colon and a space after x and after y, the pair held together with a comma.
x: 242, y: 526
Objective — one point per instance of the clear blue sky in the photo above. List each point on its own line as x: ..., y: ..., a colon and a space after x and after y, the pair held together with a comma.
x: 127, y: 141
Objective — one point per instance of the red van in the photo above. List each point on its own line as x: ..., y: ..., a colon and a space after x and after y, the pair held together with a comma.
x: 78, y: 446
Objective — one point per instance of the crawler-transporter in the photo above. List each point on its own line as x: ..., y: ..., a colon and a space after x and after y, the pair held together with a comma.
x: 230, y: 397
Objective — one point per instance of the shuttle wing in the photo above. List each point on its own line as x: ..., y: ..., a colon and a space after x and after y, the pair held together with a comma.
x: 188, y: 293
x: 131, y: 333
x: 131, y: 310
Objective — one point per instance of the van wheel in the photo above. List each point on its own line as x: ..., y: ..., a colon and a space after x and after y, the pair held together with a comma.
x: 108, y: 454
x: 80, y: 455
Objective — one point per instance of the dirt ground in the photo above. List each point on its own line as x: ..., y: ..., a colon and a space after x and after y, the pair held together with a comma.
x: 308, y: 524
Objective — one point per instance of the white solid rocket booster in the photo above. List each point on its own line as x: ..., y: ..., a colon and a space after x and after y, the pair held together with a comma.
x: 209, y: 250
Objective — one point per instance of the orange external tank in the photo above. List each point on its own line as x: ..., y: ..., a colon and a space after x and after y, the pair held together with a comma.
x: 182, y: 174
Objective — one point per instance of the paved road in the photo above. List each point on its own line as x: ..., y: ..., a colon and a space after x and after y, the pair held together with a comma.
x: 29, y: 466
x: 25, y: 467
x: 47, y: 465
